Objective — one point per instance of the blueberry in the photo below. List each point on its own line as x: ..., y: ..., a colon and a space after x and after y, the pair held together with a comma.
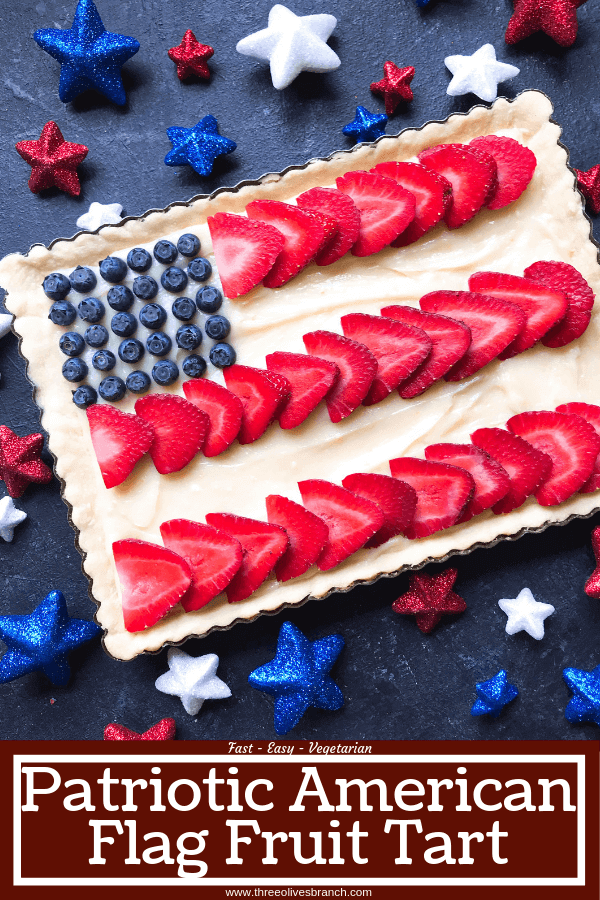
x: 139, y: 260
x: 104, y: 360
x: 158, y: 344
x: 131, y: 350
x: 120, y: 298
x: 152, y: 315
x: 209, y: 299
x: 174, y: 280
x: 113, y: 269
x: 74, y: 369
x: 188, y: 337
x: 145, y: 287
x: 199, y: 269
x: 56, y: 286
x: 188, y: 245
x: 184, y: 309
x: 165, y: 252
x: 84, y: 396
x: 96, y: 335
x: 91, y: 310
x: 112, y: 388
x: 62, y: 313
x: 71, y: 343
x: 222, y: 355
x: 217, y: 327
x: 165, y: 372
x: 194, y: 366
x: 138, y: 382
x: 82, y: 280
x: 123, y: 324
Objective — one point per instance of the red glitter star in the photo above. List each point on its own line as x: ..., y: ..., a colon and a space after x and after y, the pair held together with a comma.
x: 557, y: 18
x: 53, y: 160
x: 589, y: 185
x: 394, y: 86
x: 592, y: 585
x: 162, y: 731
x: 20, y: 461
x: 190, y: 56
x: 429, y: 598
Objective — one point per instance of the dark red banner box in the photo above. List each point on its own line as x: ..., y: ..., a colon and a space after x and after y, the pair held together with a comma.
x: 539, y: 846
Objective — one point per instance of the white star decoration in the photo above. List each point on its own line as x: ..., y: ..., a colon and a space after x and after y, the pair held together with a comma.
x: 10, y: 517
x: 5, y: 323
x: 292, y: 44
x: 193, y: 679
x: 100, y: 214
x: 479, y: 74
x: 525, y: 613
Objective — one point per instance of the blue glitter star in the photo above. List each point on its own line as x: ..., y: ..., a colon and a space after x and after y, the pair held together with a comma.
x: 493, y: 695
x: 366, y: 126
x: 584, y: 705
x: 89, y: 55
x: 298, y: 676
x: 198, y: 146
x: 42, y: 640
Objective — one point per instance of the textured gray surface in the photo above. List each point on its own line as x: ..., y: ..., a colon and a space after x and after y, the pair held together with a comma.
x: 397, y: 682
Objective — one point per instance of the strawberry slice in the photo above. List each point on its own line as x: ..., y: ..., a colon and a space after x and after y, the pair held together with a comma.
x: 450, y: 341
x: 491, y: 480
x: 153, y: 579
x: 119, y: 440
x: 385, y: 207
x: 357, y: 366
x: 303, y: 235
x: 432, y: 195
x: 570, y: 442
x: 469, y: 176
x: 398, y: 349
x: 525, y: 466
x: 515, y: 167
x: 306, y: 532
x: 485, y: 157
x: 396, y: 500
x: 224, y: 411
x: 542, y: 306
x: 330, y: 226
x: 443, y: 492
x: 342, y: 209
x: 261, y: 395
x: 494, y: 325
x: 263, y: 544
x: 179, y: 430
x: 560, y: 276
x: 591, y: 414
x: 351, y: 519
x: 309, y: 377
x: 245, y: 251
x: 213, y: 557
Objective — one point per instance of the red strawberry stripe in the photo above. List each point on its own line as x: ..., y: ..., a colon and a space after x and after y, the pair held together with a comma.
x: 443, y: 492
x: 515, y: 167
x: 469, y: 176
x: 395, y: 499
x: 119, y: 440
x: 309, y: 377
x: 357, y: 366
x: 179, y: 430
x: 213, y: 557
x: 491, y: 480
x: 261, y: 399
x: 303, y: 236
x: 307, y: 535
x: 263, y: 545
x: 591, y: 414
x: 245, y: 251
x: 224, y: 411
x: 385, y: 207
x: 340, y: 207
x: 484, y: 156
x: 153, y: 579
x: 562, y: 277
x: 526, y: 467
x: 571, y: 443
x: 432, y: 195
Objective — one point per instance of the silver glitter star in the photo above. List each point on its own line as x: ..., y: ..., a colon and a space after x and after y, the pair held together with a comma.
x: 100, y: 214
x: 10, y: 517
x: 192, y: 679
x: 525, y: 613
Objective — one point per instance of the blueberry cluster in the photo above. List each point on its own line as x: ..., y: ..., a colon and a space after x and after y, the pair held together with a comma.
x: 92, y: 329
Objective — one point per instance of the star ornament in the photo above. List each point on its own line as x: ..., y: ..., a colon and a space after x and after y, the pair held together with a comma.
x: 89, y: 55
x: 429, y: 598
x: 190, y: 56
x: 394, y: 87
x: 556, y: 18
x: 42, y: 640
x: 199, y: 146
x: 493, y: 695
x: 589, y: 185
x: 479, y: 74
x: 299, y: 677
x: 525, y: 613
x: 592, y: 585
x: 10, y: 517
x: 53, y: 161
x: 162, y: 731
x: 584, y: 705
x: 292, y: 44
x: 20, y: 461
x: 366, y: 126
x: 192, y: 679
x: 100, y: 214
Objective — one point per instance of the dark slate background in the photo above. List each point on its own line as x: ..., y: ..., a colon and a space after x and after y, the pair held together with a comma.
x: 397, y: 682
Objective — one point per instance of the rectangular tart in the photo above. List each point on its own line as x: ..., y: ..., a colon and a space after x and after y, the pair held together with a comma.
x: 546, y: 223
